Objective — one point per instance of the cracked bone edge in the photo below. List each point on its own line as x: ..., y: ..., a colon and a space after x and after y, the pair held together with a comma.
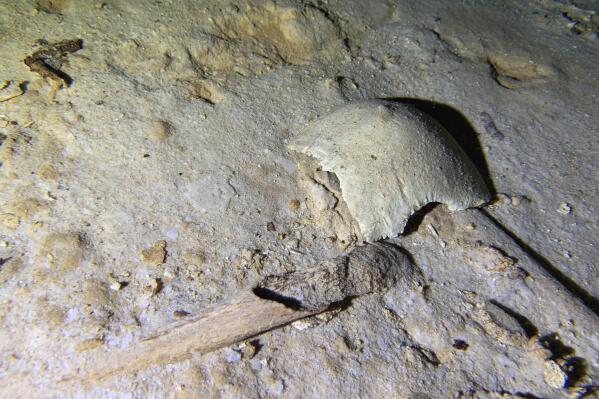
x: 391, y: 159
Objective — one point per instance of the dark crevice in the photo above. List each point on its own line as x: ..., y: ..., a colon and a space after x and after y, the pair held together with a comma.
x: 341, y: 305
x: 271, y: 295
x: 526, y: 395
x: 587, y: 299
x: 62, y: 75
x: 460, y: 344
x: 589, y: 390
x: 429, y: 355
x: 50, y: 57
x: 257, y: 345
x: 296, y: 304
x: 575, y: 367
x: 558, y: 349
x: 415, y: 220
x: 529, y: 328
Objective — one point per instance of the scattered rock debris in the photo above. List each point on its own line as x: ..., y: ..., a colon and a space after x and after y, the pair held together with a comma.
x: 460, y: 344
x: 48, y: 60
x: 249, y: 349
x: 155, y: 286
x: 194, y: 258
x: 52, y: 6
x: 564, y: 209
x: 116, y: 284
x: 180, y: 314
x: 513, y: 72
x: 156, y: 254
x: 304, y: 324
x: 294, y: 204
x: 510, y: 199
x: 10, y: 220
x: 10, y: 90
x: 487, y: 257
x: 501, y: 325
x: 207, y: 91
x: 581, y: 21
x: 563, y: 368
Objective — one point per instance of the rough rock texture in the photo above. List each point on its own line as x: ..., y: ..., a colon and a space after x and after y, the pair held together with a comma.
x: 174, y: 128
x: 366, y: 270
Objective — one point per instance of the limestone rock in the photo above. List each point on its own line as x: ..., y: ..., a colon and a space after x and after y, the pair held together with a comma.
x: 553, y: 374
x: 156, y: 254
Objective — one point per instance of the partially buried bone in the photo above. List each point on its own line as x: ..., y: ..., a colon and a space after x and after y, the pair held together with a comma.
x: 371, y: 268
x: 391, y: 159
x: 274, y: 302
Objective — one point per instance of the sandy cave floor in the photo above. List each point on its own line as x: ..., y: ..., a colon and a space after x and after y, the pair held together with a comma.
x: 151, y: 178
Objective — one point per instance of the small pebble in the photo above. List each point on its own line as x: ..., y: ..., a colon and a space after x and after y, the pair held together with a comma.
x: 155, y: 286
x: 233, y: 356
x: 460, y: 344
x: 169, y: 274
x: 553, y: 375
x: 49, y: 196
x: 156, y: 254
x: 179, y: 314
x: 504, y: 199
x: 564, y: 209
x: 160, y: 131
x: 302, y: 324
x: 294, y: 204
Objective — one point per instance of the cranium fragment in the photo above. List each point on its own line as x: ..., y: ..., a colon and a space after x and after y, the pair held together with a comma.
x: 391, y: 159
